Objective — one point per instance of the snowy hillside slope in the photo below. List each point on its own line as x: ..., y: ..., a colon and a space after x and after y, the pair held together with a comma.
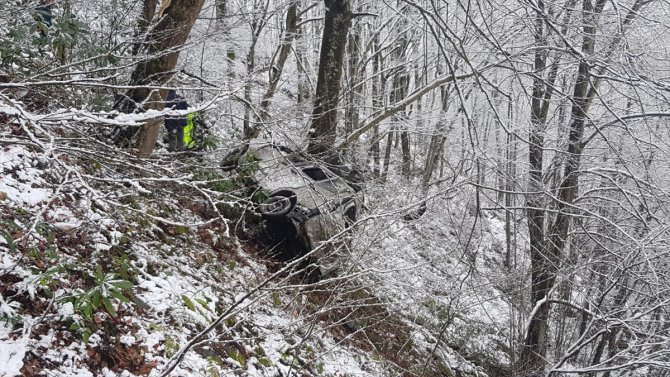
x: 112, y: 266
x: 446, y: 270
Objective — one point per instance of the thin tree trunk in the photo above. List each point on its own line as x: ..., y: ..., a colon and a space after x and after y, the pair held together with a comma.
x: 406, y: 154
x: 535, y: 345
x: 257, y: 25
x: 378, y: 88
x: 437, y: 141
x: 282, y: 55
x: 351, y: 117
x: 147, y: 139
x: 387, y: 156
x: 302, y: 64
x: 398, y: 93
x: 323, y: 130
x: 221, y: 10
x: 251, y: 65
x: 545, y: 258
x: 510, y: 172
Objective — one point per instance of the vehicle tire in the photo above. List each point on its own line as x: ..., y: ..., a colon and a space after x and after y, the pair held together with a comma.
x: 276, y: 206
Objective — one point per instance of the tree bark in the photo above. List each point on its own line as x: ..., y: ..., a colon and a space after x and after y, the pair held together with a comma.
x: 323, y: 130
x: 163, y: 42
x: 143, y: 23
x: 302, y: 64
x: 399, y: 90
x: 545, y: 257
x: 355, y: 82
x: 221, y: 10
x: 251, y: 65
x: 378, y: 88
x: 387, y: 156
x: 282, y: 55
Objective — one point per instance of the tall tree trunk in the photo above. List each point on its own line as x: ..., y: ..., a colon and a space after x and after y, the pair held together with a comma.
x: 302, y: 65
x: 251, y: 65
x: 221, y: 10
x: 351, y: 117
x: 257, y: 25
x: 323, y: 130
x: 378, y: 88
x: 387, y: 156
x: 281, y: 56
x: 399, y: 90
x: 437, y: 141
x: 510, y: 177
x: 535, y: 345
x: 143, y: 23
x: 406, y: 153
x: 545, y: 257
x: 164, y: 40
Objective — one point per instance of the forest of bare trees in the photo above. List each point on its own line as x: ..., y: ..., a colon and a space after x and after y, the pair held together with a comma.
x: 541, y: 126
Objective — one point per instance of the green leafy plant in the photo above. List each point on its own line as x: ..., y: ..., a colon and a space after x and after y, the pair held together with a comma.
x: 83, y: 330
x: 209, y: 143
x: 48, y: 279
x: 8, y: 312
x: 107, y: 286
x: 65, y: 34
x: 16, y: 49
x: 196, y: 304
x: 231, y: 321
x: 188, y: 302
x: 8, y: 237
x: 215, y: 181
x: 264, y: 361
x: 124, y: 267
x: 171, y: 346
x: 214, y: 363
x: 236, y: 355
x: 276, y: 300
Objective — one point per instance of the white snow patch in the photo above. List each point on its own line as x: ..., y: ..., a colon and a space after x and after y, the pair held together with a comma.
x: 127, y: 339
x: 11, y: 354
x: 66, y: 310
x: 22, y: 192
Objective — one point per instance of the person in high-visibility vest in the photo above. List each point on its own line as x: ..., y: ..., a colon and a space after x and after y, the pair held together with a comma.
x: 181, y: 129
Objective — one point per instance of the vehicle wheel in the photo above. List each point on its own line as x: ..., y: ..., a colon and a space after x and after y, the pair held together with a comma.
x: 276, y: 206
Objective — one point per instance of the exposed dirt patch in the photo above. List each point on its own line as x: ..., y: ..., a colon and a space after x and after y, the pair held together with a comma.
x: 358, y: 318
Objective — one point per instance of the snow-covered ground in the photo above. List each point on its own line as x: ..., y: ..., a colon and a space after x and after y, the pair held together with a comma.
x: 417, y: 289
x: 179, y: 287
x: 177, y: 273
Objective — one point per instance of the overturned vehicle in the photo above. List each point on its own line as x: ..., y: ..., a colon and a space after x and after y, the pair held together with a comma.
x: 309, y: 204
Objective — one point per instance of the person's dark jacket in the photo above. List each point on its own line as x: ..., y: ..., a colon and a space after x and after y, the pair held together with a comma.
x: 43, y: 14
x: 175, y: 102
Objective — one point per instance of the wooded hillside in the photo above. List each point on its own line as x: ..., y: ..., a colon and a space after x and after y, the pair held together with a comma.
x: 511, y: 156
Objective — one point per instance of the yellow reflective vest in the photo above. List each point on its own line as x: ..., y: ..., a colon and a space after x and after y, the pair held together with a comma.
x: 189, y: 130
